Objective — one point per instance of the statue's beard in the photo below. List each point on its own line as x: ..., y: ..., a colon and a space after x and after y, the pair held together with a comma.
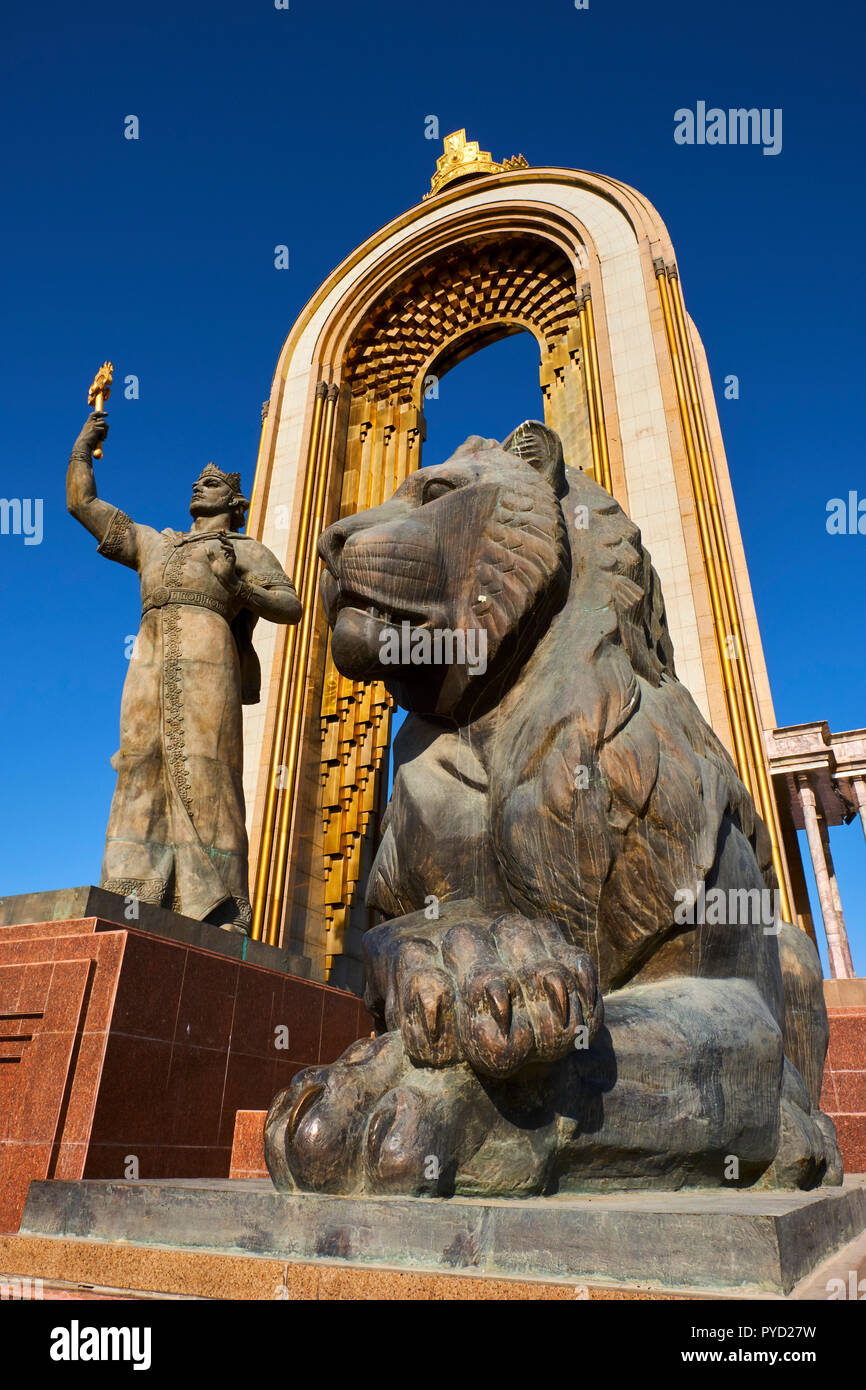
x: 200, y: 506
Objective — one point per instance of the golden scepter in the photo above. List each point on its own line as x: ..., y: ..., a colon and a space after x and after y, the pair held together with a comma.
x: 99, y: 393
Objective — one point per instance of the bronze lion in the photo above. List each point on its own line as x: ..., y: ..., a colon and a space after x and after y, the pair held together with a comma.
x: 546, y: 1018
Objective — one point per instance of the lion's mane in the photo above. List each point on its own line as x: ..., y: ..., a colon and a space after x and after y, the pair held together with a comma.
x: 600, y: 735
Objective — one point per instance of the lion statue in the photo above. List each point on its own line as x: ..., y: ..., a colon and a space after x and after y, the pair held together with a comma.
x: 548, y: 1017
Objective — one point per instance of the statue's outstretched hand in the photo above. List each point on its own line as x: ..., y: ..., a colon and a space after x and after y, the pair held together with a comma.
x: 221, y: 555
x: 94, y: 430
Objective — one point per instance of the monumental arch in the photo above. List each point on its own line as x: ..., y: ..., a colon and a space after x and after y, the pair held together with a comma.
x: 585, y: 264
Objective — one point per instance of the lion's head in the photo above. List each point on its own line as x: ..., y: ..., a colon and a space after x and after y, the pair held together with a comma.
x: 440, y: 589
x: 479, y: 548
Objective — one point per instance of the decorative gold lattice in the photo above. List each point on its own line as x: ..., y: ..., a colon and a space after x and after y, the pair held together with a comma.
x: 521, y: 281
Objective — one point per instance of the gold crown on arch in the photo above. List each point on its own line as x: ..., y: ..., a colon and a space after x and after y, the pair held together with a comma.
x: 463, y: 159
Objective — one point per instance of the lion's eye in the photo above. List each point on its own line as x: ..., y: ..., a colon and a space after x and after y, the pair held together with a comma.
x: 437, y: 487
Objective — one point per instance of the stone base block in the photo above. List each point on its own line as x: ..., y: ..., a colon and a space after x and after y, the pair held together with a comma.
x: 845, y: 994
x: 125, y: 1052
x: 736, y: 1241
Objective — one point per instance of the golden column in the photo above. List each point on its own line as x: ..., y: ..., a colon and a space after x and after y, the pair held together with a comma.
x: 601, y: 454
x: 731, y: 647
x: 283, y: 772
x: 382, y: 450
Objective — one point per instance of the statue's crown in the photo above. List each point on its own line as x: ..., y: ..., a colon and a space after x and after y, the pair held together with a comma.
x: 232, y: 479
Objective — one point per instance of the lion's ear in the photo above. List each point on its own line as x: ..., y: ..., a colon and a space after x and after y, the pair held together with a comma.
x: 542, y: 448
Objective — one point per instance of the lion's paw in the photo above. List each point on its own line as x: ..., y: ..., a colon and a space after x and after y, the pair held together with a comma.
x: 373, y: 1122
x: 497, y: 996
x: 315, y: 1129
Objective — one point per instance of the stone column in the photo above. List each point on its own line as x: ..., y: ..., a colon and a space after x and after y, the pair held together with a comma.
x: 859, y: 785
x: 838, y: 950
x: 831, y: 867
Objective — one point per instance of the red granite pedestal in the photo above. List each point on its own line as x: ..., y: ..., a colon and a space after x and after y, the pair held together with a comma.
x: 843, y: 1096
x: 124, y: 1054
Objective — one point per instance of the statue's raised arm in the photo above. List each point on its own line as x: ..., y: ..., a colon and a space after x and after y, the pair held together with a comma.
x: 82, y: 500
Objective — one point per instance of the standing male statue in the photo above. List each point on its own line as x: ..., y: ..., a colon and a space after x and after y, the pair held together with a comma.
x: 176, y: 833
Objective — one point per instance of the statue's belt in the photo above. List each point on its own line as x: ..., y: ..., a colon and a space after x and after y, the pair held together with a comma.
x: 162, y: 596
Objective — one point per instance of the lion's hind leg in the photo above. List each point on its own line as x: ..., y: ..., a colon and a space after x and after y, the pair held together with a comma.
x: 373, y: 1122
x: 681, y: 1089
x: 808, y: 1153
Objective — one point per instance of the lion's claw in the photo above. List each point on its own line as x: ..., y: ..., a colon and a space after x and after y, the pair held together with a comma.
x: 497, y: 995
x: 428, y: 1024
x: 314, y: 1129
x: 373, y: 1122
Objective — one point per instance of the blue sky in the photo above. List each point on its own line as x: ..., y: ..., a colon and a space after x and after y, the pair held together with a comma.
x: 305, y: 127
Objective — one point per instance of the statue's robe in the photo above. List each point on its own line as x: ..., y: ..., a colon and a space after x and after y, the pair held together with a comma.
x: 176, y: 833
